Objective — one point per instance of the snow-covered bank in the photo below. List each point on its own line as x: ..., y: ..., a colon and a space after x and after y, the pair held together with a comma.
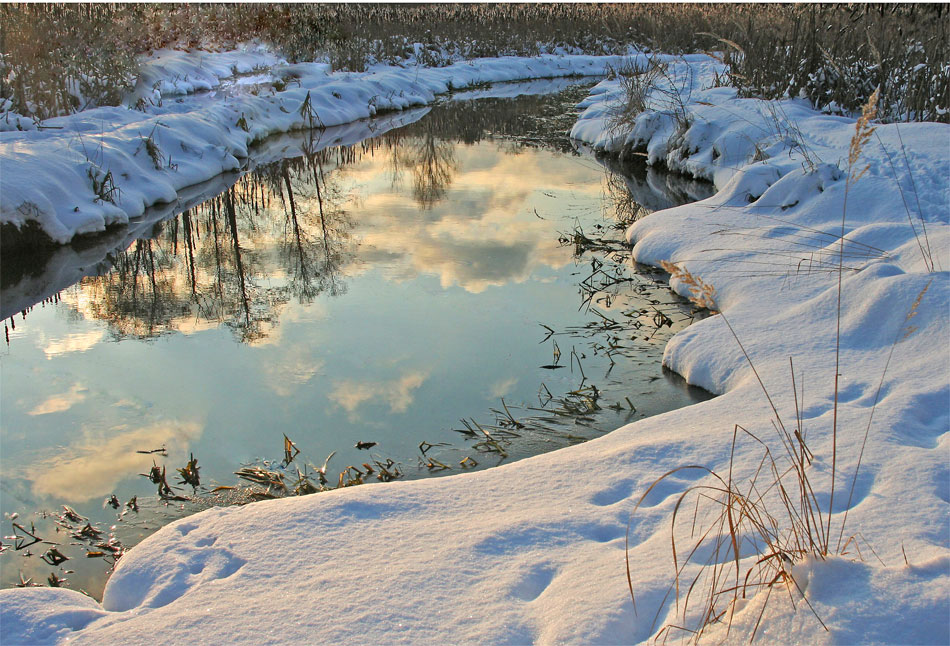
x: 50, y: 271
x: 84, y: 172
x: 769, y: 242
x: 533, y: 551
x: 168, y: 73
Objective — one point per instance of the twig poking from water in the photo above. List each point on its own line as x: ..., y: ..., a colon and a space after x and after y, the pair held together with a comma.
x: 162, y: 451
x: 322, y: 471
x: 54, y: 557
x: 290, y: 450
x: 20, y: 541
x: 387, y: 471
x: 575, y: 355
x: 189, y: 473
x: 261, y: 476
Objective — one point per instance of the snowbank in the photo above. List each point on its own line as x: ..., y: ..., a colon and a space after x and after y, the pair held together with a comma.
x: 67, y: 264
x: 533, y: 552
x: 170, y: 72
x: 82, y: 173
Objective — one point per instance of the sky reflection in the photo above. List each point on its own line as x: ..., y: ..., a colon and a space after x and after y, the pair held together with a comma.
x: 91, y: 467
x: 377, y: 292
x: 374, y: 292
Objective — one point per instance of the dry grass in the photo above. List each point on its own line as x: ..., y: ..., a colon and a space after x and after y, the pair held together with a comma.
x: 736, y: 535
x: 741, y: 532
x: 636, y: 83
x: 835, y: 55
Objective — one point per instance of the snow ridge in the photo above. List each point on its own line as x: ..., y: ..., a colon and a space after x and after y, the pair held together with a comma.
x: 82, y: 173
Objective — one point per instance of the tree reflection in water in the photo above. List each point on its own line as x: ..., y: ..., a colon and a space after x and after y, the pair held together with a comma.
x: 216, y: 263
x: 138, y: 297
x: 282, y: 231
x: 432, y: 164
x: 316, y: 226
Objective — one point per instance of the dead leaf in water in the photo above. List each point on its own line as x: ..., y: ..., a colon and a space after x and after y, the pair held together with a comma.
x: 54, y: 557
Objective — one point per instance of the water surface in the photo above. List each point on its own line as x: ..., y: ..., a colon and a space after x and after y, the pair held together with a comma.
x: 379, y: 292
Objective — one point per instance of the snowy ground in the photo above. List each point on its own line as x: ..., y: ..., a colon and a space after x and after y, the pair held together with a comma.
x: 84, y: 172
x: 533, y: 552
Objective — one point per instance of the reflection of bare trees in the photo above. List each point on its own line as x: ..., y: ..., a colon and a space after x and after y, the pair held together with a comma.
x: 528, y: 121
x: 432, y: 170
x: 236, y: 259
x: 315, y: 247
x: 633, y: 182
x: 426, y: 148
x: 619, y: 203
x: 432, y: 164
x: 281, y: 232
x: 138, y: 297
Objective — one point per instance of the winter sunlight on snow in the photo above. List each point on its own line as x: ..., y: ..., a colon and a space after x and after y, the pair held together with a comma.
x: 475, y: 323
x: 371, y: 293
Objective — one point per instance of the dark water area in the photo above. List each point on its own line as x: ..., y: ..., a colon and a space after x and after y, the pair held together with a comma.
x: 445, y: 288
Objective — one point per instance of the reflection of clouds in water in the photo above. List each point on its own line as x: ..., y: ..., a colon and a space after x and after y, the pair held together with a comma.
x: 485, y: 233
x: 78, y: 342
x: 93, y: 465
x: 503, y: 387
x: 194, y: 324
x: 473, y: 255
x: 61, y: 402
x: 398, y: 393
x: 291, y: 314
x: 286, y: 374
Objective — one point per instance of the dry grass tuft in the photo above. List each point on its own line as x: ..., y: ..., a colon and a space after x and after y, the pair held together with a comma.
x: 636, y: 83
x: 703, y: 295
x: 742, y: 532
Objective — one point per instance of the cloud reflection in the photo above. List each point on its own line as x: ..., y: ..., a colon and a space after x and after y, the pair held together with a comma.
x: 78, y: 342
x: 61, y: 402
x: 286, y: 376
x: 92, y: 466
x: 486, y: 232
x: 398, y: 393
x: 501, y: 388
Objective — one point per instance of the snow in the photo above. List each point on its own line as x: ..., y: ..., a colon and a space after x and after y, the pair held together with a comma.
x: 533, y: 551
x: 171, y: 72
x: 62, y: 176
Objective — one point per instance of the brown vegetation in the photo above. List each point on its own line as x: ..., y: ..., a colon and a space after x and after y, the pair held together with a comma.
x: 833, y: 54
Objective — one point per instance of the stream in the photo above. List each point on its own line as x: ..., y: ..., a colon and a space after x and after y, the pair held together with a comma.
x: 431, y: 292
